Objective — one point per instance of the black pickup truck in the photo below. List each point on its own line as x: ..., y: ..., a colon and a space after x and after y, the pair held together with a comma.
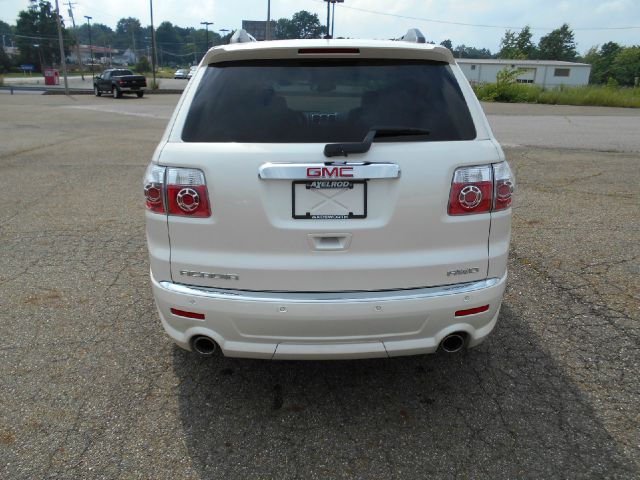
x: 117, y: 81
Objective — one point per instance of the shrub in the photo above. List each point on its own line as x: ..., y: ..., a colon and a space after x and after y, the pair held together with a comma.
x: 606, y: 96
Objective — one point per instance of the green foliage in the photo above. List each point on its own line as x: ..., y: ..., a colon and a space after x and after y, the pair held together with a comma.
x: 614, y: 63
x: 447, y: 44
x: 462, y: 51
x: 517, y: 46
x: 506, y: 89
x: 303, y: 24
x: 143, y: 64
x: 558, y: 45
x: 626, y: 66
x: 37, y: 35
x: 5, y: 61
x: 588, y: 95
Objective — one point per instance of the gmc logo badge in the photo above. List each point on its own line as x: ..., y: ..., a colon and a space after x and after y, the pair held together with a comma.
x: 329, y: 172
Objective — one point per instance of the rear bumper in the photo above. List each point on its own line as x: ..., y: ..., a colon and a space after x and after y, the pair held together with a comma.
x: 329, y: 325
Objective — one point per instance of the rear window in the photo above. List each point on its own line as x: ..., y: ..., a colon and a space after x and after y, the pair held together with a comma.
x: 326, y: 101
x: 120, y: 73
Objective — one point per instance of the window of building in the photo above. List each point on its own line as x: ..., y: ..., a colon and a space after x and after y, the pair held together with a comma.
x: 561, y: 72
x: 473, y: 67
x: 524, y: 80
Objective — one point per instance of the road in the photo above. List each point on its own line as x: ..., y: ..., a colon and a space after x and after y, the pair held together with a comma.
x: 90, y: 387
x: 87, y: 84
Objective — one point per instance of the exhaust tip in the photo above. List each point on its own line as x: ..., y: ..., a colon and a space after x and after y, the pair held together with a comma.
x: 453, y: 342
x: 204, y: 345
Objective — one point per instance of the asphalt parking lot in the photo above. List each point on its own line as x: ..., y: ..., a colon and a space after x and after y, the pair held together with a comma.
x: 90, y: 387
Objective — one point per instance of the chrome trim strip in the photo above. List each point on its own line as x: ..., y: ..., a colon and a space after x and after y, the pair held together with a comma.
x: 329, y: 297
x: 356, y: 171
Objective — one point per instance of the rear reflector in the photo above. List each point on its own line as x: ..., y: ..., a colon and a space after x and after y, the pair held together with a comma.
x: 184, y: 313
x: 316, y: 51
x: 471, y: 311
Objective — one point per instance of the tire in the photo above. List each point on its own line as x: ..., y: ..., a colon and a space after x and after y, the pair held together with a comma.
x: 97, y: 91
x: 116, y: 93
x: 139, y: 94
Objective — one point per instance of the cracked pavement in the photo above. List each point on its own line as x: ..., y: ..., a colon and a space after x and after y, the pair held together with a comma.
x: 90, y: 386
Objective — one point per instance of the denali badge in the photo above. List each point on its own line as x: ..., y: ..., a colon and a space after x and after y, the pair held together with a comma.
x: 214, y: 276
x: 464, y: 271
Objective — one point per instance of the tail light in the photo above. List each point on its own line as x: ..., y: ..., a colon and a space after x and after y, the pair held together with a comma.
x: 176, y: 191
x: 481, y: 189
x: 504, y: 185
x: 154, y: 188
x: 121, y: 82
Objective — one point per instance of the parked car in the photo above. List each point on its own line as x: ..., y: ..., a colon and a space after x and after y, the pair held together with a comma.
x: 192, y: 71
x: 117, y: 81
x: 181, y: 73
x: 324, y: 199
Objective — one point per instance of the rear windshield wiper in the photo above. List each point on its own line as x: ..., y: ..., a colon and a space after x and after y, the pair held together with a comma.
x: 344, y: 149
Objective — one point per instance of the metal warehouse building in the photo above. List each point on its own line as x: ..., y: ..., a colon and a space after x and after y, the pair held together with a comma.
x: 546, y: 73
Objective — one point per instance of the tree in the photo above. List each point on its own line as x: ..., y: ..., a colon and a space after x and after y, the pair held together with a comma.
x: 517, y: 46
x: 447, y: 44
x: 37, y: 35
x: 129, y: 34
x: 5, y: 61
x: 626, y: 66
x: 462, y: 51
x: 558, y: 45
x: 601, y: 60
x: 303, y: 24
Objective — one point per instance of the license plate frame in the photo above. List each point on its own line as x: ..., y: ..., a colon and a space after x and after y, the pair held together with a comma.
x: 327, y: 185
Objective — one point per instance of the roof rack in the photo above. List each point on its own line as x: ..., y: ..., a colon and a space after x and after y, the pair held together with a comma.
x: 242, y: 36
x: 414, y: 35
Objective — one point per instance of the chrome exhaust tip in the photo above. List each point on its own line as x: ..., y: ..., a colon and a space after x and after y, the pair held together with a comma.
x: 204, y: 345
x: 453, y: 342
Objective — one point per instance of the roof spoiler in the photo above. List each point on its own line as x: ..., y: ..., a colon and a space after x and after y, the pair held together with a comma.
x: 414, y: 35
x: 242, y: 36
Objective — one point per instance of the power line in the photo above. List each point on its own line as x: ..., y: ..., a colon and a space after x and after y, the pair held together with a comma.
x: 477, y: 25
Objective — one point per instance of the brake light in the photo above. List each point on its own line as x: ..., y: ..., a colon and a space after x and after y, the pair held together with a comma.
x: 187, y: 193
x: 176, y: 191
x: 481, y: 189
x: 154, y: 188
x: 121, y: 82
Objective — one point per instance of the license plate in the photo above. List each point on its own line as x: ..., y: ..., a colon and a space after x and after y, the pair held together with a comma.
x: 329, y: 199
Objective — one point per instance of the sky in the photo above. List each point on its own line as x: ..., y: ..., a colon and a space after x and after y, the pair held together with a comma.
x: 594, y: 22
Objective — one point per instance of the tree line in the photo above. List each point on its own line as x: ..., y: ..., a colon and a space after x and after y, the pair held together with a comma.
x: 35, y: 35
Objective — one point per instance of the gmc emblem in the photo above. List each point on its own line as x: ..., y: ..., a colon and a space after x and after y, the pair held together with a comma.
x: 329, y: 172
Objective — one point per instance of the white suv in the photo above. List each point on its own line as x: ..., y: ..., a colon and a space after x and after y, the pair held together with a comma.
x: 323, y: 199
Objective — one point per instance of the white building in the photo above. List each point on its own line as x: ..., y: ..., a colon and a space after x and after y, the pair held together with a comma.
x: 546, y: 73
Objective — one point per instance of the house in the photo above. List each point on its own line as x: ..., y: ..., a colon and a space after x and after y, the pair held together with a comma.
x: 546, y: 73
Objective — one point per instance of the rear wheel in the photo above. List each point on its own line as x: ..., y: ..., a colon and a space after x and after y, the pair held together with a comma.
x: 139, y: 94
x: 97, y: 91
x: 116, y: 93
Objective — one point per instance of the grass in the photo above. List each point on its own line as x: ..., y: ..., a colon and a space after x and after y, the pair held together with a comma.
x: 591, y: 95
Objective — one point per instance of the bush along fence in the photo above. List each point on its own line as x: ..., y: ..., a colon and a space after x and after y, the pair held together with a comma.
x: 506, y: 89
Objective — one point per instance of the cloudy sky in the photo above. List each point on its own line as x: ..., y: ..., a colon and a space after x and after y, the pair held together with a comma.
x: 473, y: 23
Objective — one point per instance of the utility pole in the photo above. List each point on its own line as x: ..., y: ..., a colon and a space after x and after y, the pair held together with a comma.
x: 206, y: 26
x: 154, y: 60
x: 328, y: 35
x: 331, y: 20
x: 268, y: 35
x: 70, y: 4
x: 61, y: 43
x: 90, y: 43
x: 133, y: 39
